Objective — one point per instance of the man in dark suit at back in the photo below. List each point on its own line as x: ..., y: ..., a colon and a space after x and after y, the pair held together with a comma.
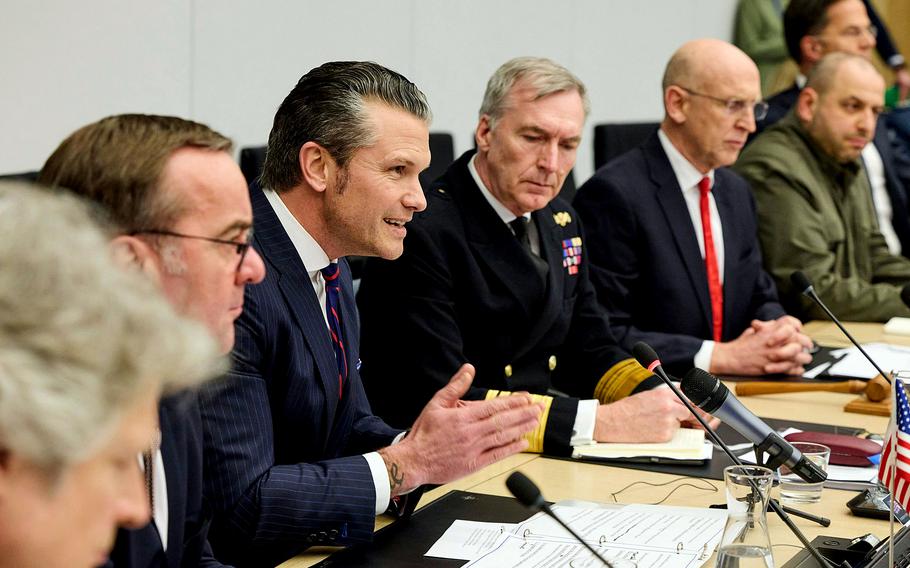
x: 495, y: 273
x: 813, y: 29
x: 671, y: 231
x: 180, y: 205
x: 294, y: 455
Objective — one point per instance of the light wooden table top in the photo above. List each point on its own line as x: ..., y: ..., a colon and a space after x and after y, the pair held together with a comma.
x: 561, y: 480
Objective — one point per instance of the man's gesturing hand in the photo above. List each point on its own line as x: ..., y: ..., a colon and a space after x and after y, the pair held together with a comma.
x: 451, y: 439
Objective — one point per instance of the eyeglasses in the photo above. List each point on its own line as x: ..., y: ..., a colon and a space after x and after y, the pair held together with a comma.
x: 241, y: 247
x: 735, y: 106
x: 854, y: 32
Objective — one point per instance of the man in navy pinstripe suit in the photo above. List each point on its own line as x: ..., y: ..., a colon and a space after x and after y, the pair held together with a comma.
x: 294, y: 455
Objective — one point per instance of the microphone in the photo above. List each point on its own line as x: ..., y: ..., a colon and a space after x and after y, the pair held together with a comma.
x: 647, y: 358
x: 714, y: 397
x: 528, y: 494
x: 802, y: 283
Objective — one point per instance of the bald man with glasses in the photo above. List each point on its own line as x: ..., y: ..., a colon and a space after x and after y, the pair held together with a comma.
x: 672, y: 232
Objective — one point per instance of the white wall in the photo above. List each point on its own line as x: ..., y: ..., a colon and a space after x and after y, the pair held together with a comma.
x: 229, y: 63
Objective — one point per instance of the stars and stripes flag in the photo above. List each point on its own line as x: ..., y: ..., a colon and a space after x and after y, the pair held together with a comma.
x: 897, y: 437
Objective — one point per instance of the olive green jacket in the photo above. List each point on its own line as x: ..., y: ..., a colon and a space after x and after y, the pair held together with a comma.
x: 816, y: 215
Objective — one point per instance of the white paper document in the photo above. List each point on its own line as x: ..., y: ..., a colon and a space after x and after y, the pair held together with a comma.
x: 888, y: 357
x: 649, y: 535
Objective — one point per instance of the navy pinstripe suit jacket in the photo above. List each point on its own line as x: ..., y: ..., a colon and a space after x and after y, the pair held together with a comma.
x: 282, y: 450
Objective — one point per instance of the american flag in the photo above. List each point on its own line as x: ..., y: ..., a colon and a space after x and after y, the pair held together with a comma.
x: 898, y: 427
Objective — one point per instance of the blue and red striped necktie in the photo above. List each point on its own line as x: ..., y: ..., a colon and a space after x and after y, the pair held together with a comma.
x: 333, y: 312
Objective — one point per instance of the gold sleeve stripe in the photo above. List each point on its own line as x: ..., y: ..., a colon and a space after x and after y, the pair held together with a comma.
x: 620, y: 380
x: 534, y: 437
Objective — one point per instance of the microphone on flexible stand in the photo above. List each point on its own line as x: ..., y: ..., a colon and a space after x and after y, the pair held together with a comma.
x: 528, y: 494
x: 712, y: 396
x: 802, y: 283
x: 647, y: 358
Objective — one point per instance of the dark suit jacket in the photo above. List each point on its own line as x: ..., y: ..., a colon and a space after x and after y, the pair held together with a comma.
x: 895, y: 160
x: 645, y: 260
x: 181, y: 451
x: 465, y: 291
x: 283, y: 459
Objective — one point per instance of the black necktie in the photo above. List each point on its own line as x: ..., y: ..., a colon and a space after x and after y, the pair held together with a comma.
x: 520, y: 228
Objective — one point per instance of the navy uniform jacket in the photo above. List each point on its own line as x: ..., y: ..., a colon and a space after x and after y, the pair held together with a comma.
x: 645, y: 260
x: 895, y: 161
x: 181, y: 451
x: 283, y: 459
x: 465, y: 291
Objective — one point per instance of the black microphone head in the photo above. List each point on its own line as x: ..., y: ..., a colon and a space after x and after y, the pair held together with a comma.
x: 704, y: 389
x: 801, y: 282
x: 644, y: 354
x: 525, y: 490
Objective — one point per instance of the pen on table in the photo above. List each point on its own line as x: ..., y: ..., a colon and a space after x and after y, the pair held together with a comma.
x: 825, y: 522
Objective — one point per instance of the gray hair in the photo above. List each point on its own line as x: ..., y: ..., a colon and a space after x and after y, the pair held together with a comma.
x: 80, y: 338
x: 543, y: 75
x: 327, y: 106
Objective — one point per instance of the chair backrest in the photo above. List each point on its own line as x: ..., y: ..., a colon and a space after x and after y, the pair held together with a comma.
x: 442, y: 150
x: 21, y: 176
x: 251, y: 160
x: 613, y: 139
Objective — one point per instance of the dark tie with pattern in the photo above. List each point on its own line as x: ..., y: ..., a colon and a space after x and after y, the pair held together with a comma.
x: 333, y: 312
x: 520, y: 228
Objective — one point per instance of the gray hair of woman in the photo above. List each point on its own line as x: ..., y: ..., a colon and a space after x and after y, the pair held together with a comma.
x: 80, y: 338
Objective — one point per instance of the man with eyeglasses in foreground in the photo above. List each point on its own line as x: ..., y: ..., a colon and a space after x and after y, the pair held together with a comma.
x: 814, y: 205
x: 671, y: 231
x: 181, y: 206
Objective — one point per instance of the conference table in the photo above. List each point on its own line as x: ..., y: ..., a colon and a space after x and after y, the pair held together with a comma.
x: 565, y: 479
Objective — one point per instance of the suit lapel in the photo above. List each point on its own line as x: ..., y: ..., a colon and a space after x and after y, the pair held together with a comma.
x: 676, y: 213
x: 294, y: 283
x: 494, y: 244
x: 725, y: 208
x: 175, y: 477
x: 552, y: 304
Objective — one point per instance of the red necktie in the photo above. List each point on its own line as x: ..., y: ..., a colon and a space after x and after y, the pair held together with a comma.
x: 714, y: 287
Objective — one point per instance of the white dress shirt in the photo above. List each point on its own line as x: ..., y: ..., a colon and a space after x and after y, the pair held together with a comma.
x: 586, y: 414
x: 315, y: 259
x: 688, y: 176
x: 159, y: 494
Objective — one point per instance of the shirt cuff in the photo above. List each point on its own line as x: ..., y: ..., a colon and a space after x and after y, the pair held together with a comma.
x: 380, y: 481
x: 703, y: 357
x: 585, y: 417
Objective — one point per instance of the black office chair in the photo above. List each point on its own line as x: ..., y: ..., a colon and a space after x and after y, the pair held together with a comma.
x: 251, y: 160
x: 613, y: 139
x: 21, y: 176
x: 442, y: 150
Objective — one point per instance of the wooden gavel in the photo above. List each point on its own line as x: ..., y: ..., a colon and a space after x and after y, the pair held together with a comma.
x: 876, y: 389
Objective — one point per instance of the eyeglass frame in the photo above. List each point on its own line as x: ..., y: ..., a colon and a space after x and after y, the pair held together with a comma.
x: 853, y: 32
x: 242, y: 247
x: 759, y: 108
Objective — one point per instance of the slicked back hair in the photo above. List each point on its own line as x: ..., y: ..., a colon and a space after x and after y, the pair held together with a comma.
x: 328, y: 106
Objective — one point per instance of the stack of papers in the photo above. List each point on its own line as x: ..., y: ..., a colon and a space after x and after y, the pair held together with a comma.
x: 687, y: 444
x: 635, y: 535
x: 852, y: 364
